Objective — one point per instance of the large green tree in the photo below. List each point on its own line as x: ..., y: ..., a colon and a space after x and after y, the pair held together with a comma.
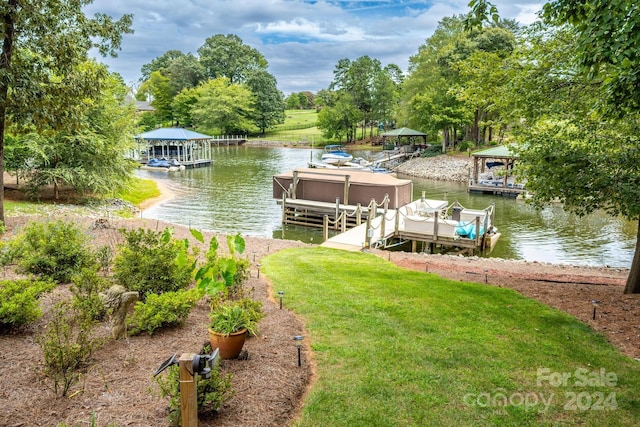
x: 44, y: 40
x: 88, y: 155
x: 158, y: 88
x: 339, y: 117
x: 428, y: 102
x: 224, y: 106
x: 268, y: 100
x: 227, y: 56
x: 607, y: 55
x: 573, y: 86
x: 456, y: 78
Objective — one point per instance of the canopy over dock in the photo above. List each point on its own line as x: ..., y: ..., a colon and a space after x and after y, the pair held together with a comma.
x: 190, y: 148
x: 349, y: 187
x: 492, y: 172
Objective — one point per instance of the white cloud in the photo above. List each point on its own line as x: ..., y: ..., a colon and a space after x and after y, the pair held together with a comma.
x: 301, y: 40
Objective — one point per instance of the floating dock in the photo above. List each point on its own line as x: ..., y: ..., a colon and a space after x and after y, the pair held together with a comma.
x: 467, y: 230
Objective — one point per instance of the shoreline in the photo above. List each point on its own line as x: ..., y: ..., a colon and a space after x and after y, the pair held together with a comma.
x: 165, y: 195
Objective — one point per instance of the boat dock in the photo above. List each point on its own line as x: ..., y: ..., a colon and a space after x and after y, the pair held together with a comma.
x: 499, y: 189
x: 375, y: 210
x: 492, y: 173
x: 422, y: 221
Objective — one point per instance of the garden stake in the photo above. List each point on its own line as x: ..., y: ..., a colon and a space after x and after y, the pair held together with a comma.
x: 281, y: 293
x: 298, y: 340
x: 595, y: 305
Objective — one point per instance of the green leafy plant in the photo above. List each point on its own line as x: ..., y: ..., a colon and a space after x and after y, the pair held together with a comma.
x: 153, y: 262
x: 211, y: 392
x: 232, y: 316
x: 19, y: 301
x: 104, y: 256
x: 67, y: 344
x: 222, y: 273
x: 56, y: 250
x: 86, y: 288
x: 465, y: 145
x: 164, y: 310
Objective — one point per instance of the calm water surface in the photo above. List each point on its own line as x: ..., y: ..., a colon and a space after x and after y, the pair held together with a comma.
x: 234, y: 195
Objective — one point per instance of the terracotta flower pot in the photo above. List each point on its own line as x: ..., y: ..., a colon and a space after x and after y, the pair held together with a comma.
x: 229, y: 346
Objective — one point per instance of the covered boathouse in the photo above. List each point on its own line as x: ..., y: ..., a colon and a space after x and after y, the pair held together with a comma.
x: 308, y: 194
x: 190, y: 149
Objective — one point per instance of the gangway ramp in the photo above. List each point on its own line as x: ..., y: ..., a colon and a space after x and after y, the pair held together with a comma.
x: 355, y: 239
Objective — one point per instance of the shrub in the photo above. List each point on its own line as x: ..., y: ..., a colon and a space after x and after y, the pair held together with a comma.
x: 211, y: 392
x: 432, y: 151
x: 465, y: 145
x: 67, y: 345
x: 19, y: 301
x: 152, y: 262
x: 86, y: 289
x: 55, y: 250
x: 167, y: 309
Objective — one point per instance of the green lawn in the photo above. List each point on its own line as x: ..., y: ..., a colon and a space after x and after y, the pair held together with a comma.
x: 403, y: 348
x: 138, y: 191
x: 299, y: 127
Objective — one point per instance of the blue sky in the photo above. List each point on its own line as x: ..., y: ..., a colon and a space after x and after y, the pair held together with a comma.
x: 301, y: 39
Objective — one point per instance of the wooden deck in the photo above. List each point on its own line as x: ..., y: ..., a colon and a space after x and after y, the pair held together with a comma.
x: 311, y: 213
x: 496, y: 190
x: 356, y: 239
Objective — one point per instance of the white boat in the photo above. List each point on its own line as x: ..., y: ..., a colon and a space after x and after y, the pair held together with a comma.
x: 335, y: 155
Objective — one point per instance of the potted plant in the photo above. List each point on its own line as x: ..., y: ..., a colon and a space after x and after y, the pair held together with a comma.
x: 231, y: 322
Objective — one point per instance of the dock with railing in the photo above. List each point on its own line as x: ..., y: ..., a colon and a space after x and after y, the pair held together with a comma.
x: 434, y: 223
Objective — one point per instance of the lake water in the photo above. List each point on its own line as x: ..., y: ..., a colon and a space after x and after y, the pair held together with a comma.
x: 234, y: 195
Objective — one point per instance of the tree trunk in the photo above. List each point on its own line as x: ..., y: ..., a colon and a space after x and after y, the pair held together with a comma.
x: 475, y: 131
x: 633, y: 280
x: 445, y: 134
x: 8, y: 24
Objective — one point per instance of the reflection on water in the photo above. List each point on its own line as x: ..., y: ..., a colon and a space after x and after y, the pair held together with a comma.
x: 234, y: 195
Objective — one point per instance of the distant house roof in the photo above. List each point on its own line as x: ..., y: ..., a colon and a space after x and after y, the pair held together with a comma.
x: 172, y: 134
x: 143, y: 106
x: 139, y: 105
x: 501, y: 151
x: 403, y: 132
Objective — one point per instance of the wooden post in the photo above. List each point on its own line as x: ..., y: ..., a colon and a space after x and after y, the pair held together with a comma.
x: 346, y: 189
x: 325, y: 228
x: 337, y: 216
x: 295, y: 184
x: 384, y: 216
x: 435, y: 227
x: 188, y: 394
x: 284, y: 207
x: 368, y: 228
x: 358, y: 214
x: 397, y: 222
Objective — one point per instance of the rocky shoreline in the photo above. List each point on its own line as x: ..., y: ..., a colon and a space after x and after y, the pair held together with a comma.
x: 441, y: 168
